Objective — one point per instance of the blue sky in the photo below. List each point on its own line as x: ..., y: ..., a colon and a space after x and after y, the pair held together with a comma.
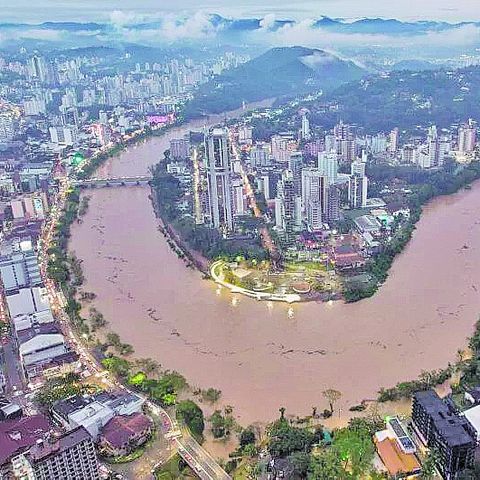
x: 31, y: 11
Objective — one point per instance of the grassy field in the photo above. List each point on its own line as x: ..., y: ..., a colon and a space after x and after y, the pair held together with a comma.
x: 314, y: 267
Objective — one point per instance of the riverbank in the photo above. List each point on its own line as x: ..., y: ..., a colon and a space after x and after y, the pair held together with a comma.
x: 441, y: 183
x: 167, y: 192
x: 417, y: 320
x: 192, y: 258
x: 409, y: 326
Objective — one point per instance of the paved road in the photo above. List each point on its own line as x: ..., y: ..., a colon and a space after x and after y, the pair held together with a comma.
x: 199, y: 460
x: 265, y: 236
x: 13, y: 374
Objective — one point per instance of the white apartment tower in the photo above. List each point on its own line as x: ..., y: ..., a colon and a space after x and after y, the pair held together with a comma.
x: 358, y: 185
x: 357, y: 191
x: 393, y: 141
x: 467, y: 137
x: 314, y: 197
x: 219, y: 179
x: 328, y: 165
x: 305, y: 127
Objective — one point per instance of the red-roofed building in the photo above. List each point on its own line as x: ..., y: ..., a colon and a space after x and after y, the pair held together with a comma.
x: 346, y: 257
x: 19, y: 435
x: 124, y: 433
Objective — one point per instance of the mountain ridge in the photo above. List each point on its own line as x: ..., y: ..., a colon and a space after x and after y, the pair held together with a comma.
x: 280, y: 71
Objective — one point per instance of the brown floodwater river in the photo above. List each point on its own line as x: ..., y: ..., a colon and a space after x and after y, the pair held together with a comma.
x: 254, y: 352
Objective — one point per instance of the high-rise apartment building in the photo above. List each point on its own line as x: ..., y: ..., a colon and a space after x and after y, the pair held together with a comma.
x: 441, y: 429
x: 219, y: 179
x: 245, y: 135
x: 305, y: 128
x: 328, y: 165
x: 260, y: 155
x: 295, y: 165
x: 347, y: 149
x: 179, y: 148
x: 286, y: 206
x: 69, y: 457
x: 358, y: 168
x: 467, y: 137
x: 358, y: 191
x: 409, y: 154
x: 314, y: 197
x: 63, y: 135
x: 343, y: 131
x: 393, y: 139
x: 433, y: 146
x: 7, y: 128
x: 40, y: 69
x: 378, y: 143
x: 239, y: 203
x: 333, y: 204
x: 444, y: 148
x: 330, y: 144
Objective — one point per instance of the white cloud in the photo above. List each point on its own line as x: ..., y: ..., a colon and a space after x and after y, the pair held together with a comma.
x: 171, y: 28
x: 31, y: 34
x: 196, y: 26
x: 305, y: 33
x: 268, y: 21
x: 461, y: 36
x: 119, y: 18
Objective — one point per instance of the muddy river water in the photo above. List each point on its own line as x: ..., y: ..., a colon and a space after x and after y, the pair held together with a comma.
x: 255, y: 353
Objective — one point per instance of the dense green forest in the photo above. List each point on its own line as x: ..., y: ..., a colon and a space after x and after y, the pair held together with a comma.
x: 276, y: 73
x: 404, y: 99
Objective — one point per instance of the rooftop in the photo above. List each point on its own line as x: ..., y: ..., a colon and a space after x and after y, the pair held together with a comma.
x: 20, y: 434
x: 118, y: 431
x: 367, y: 223
x: 41, y: 342
x: 43, y: 449
x: 68, y: 406
x: 473, y: 416
x: 32, y: 332
x: 455, y: 430
x: 392, y: 457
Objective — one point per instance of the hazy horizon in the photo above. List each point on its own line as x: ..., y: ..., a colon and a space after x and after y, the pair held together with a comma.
x: 90, y: 10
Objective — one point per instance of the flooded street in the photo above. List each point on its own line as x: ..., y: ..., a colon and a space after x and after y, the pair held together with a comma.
x: 259, y: 357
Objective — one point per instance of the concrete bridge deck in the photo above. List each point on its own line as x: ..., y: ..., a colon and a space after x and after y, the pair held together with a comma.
x: 113, y: 181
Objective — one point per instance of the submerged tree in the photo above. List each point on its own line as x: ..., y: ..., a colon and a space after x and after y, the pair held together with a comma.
x: 332, y: 396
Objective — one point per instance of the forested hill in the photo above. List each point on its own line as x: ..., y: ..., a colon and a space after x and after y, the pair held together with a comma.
x: 405, y: 99
x: 278, y: 72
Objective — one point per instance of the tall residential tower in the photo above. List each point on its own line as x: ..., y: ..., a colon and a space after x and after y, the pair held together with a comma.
x: 219, y: 177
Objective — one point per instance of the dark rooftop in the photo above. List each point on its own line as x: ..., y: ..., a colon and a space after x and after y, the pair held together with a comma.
x: 67, y: 357
x: 42, y: 329
x: 120, y: 429
x: 42, y: 450
x: 17, y: 436
x: 345, y: 250
x: 455, y: 430
x: 73, y: 404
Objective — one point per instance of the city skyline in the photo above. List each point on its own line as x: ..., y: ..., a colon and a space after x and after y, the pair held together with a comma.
x: 252, y: 227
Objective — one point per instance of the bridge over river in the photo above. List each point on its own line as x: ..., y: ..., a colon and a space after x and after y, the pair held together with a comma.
x: 113, y: 181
